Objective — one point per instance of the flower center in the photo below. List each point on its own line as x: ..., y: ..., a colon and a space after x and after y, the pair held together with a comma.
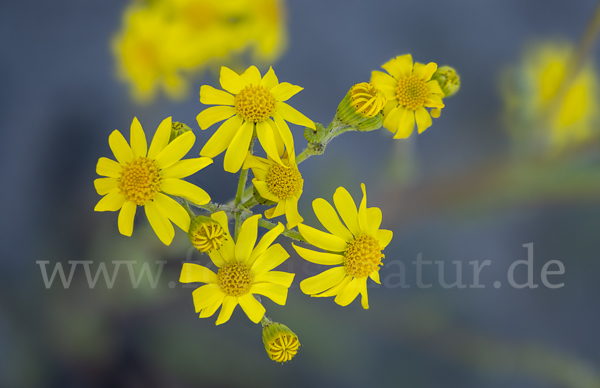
x: 284, y: 182
x: 367, y: 99
x: 208, y: 236
x: 363, y: 256
x: 255, y: 103
x: 412, y: 92
x: 234, y: 279
x: 140, y: 180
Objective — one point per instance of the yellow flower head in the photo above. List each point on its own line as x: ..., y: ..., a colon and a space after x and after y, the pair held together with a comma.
x: 279, y: 183
x: 280, y: 342
x: 244, y: 270
x: 409, y: 90
x: 206, y: 234
x: 142, y: 177
x: 355, y: 247
x: 248, y: 104
x: 367, y: 99
x: 531, y: 92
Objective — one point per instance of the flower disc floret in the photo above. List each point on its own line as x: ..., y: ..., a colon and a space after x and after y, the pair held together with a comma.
x: 284, y: 182
x: 139, y: 180
x: 363, y: 256
x: 255, y: 103
x: 412, y: 92
x: 234, y: 279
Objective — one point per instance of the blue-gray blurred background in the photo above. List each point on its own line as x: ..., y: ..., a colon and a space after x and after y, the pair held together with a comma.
x: 439, y: 192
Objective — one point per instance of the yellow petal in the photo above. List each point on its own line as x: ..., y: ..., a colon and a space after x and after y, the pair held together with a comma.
x: 270, y: 259
x: 347, y: 208
x: 126, y: 216
x: 264, y: 243
x: 110, y: 202
x: 236, y: 153
x: 173, y: 210
x: 330, y: 220
x: 375, y: 276
x: 119, y: 147
x: 363, y: 218
x: 384, y: 82
x: 391, y: 121
x: 212, y: 115
x: 247, y: 238
x: 284, y: 132
x: 383, y: 237
x: 176, y: 150
x: 210, y: 310
x: 252, y: 76
x: 252, y: 307
x: 326, y: 241
x: 231, y: 81
x: 323, y: 281
x: 279, y: 139
x: 400, y: 67
x: 263, y: 190
x: 206, y: 295
x: 293, y: 116
x: 194, y: 273
x: 160, y: 223
x: 423, y: 119
x: 323, y: 258
x: 285, y: 90
x: 139, y: 146
x: 364, y: 300
x: 333, y: 291
x: 222, y: 137
x: 184, y: 168
x: 277, y: 277
x: 407, y: 124
x: 228, y: 248
x: 275, y: 292
x: 108, y: 167
x: 216, y: 256
x: 161, y: 138
x: 375, y: 217
x: 434, y: 101
x: 277, y: 211
x: 267, y: 140
x: 185, y: 189
x: 349, y: 293
x: 105, y: 185
x: 270, y: 79
x: 229, y: 303
x: 291, y: 212
x: 424, y: 71
x: 212, y: 96
x: 434, y: 87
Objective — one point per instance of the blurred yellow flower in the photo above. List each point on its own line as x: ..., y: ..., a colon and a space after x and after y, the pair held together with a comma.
x: 162, y: 42
x: 140, y: 176
x: 530, y: 93
x: 409, y: 90
x: 279, y: 183
x: 253, y: 104
x: 356, y: 247
x: 244, y: 270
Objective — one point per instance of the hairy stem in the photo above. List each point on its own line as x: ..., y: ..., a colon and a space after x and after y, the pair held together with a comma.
x: 286, y: 232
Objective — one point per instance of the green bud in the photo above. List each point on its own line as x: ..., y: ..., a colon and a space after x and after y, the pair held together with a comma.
x: 178, y: 129
x: 448, y: 79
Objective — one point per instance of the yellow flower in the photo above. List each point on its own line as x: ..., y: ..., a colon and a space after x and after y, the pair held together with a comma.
x: 530, y: 93
x: 356, y: 247
x: 279, y: 183
x: 206, y: 234
x: 140, y: 176
x: 244, y: 270
x: 409, y: 90
x: 256, y: 104
x: 280, y: 342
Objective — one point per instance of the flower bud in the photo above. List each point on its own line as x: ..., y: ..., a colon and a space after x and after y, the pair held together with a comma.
x: 448, y: 80
x: 280, y: 342
x: 178, y: 129
x: 361, y: 107
x: 315, y: 135
x: 206, y: 234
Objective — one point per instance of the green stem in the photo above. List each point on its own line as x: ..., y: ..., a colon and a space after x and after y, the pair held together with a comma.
x: 334, y: 129
x: 250, y: 203
x: 286, y: 232
x: 240, y: 193
x: 186, y: 206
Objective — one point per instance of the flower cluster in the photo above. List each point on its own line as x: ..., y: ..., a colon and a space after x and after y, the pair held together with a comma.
x: 162, y: 41
x: 254, y: 107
